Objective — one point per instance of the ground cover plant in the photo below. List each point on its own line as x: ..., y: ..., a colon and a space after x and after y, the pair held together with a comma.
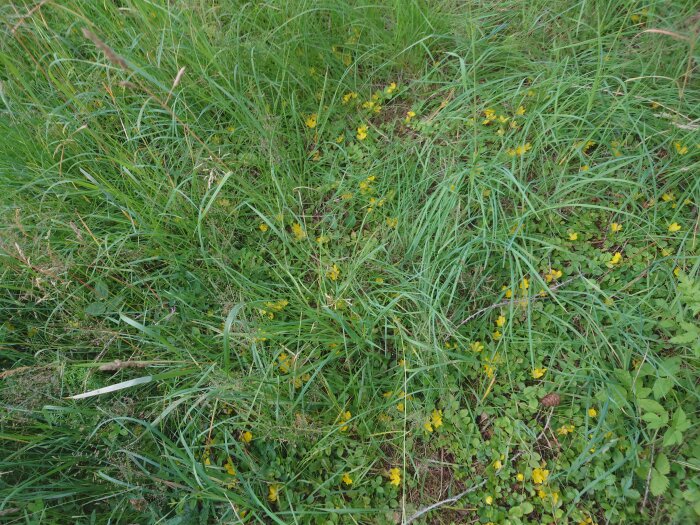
x: 349, y: 262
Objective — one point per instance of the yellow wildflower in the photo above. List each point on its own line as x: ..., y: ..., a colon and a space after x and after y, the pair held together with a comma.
x: 263, y: 227
x: 229, y: 467
x: 395, y: 476
x: 344, y: 418
x: 427, y: 426
x: 520, y: 111
x: 540, y: 476
x: 519, y: 150
x: 489, y: 371
x: 496, y: 335
x: 666, y: 197
x: 509, y: 292
x: 247, y: 436
x: 311, y: 121
x: 322, y: 239
x: 476, y: 346
x: 272, y: 493
x: 283, y: 363
x: 333, y: 273
x: 362, y: 132
x: 498, y: 465
x: 390, y: 88
x: 584, y: 168
x: 489, y: 500
x: 592, y: 412
x: 676, y: 271
x: 409, y: 116
x: 501, y: 321
x: 520, y: 476
x: 573, y: 236
x: 524, y: 284
x: 436, y: 418
x: 298, y: 231
x: 616, y: 259
x: 340, y: 138
x: 616, y: 227
x: 552, y: 275
x: 680, y: 148
x: 538, y: 372
x: 565, y: 429
x: 347, y: 479
x: 392, y: 222
x: 674, y: 227
x: 349, y: 96
x: 400, y: 407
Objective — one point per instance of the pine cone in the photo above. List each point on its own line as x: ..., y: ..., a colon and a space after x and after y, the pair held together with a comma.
x: 551, y: 400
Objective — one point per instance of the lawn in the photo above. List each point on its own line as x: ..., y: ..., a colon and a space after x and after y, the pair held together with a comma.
x: 349, y: 262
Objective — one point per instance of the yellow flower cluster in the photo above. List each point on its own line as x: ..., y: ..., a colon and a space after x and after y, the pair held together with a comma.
x: 552, y: 275
x: 349, y: 96
x: 434, y: 422
x: 519, y: 150
x: 539, y: 475
x: 298, y: 231
x: 366, y: 186
x: 312, y: 121
x: 344, y: 418
x: 395, y: 476
x: 538, y: 372
x: 333, y: 273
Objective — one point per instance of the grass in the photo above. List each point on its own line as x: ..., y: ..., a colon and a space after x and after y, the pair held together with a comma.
x: 338, y: 262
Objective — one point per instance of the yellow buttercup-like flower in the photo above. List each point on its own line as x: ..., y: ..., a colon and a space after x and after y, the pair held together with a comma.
x: 538, y: 372
x: 616, y: 227
x: 344, y: 418
x: 616, y: 258
x: 519, y: 150
x: 500, y: 321
x: 362, y: 132
x: 229, y: 467
x: 347, y: 479
x: 333, y: 273
x: 552, y: 275
x: 476, y: 346
x: 539, y: 475
x: 573, y: 236
x: 395, y: 476
x: 674, y: 227
x: 436, y: 418
x: 247, y: 436
x: 680, y: 148
x: 263, y: 227
x: 565, y: 429
x: 298, y: 231
x: 312, y: 121
x: 592, y: 412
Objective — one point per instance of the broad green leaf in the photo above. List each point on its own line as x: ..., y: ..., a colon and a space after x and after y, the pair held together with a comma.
x: 649, y: 405
x: 662, y: 464
x: 662, y: 386
x: 658, y: 484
